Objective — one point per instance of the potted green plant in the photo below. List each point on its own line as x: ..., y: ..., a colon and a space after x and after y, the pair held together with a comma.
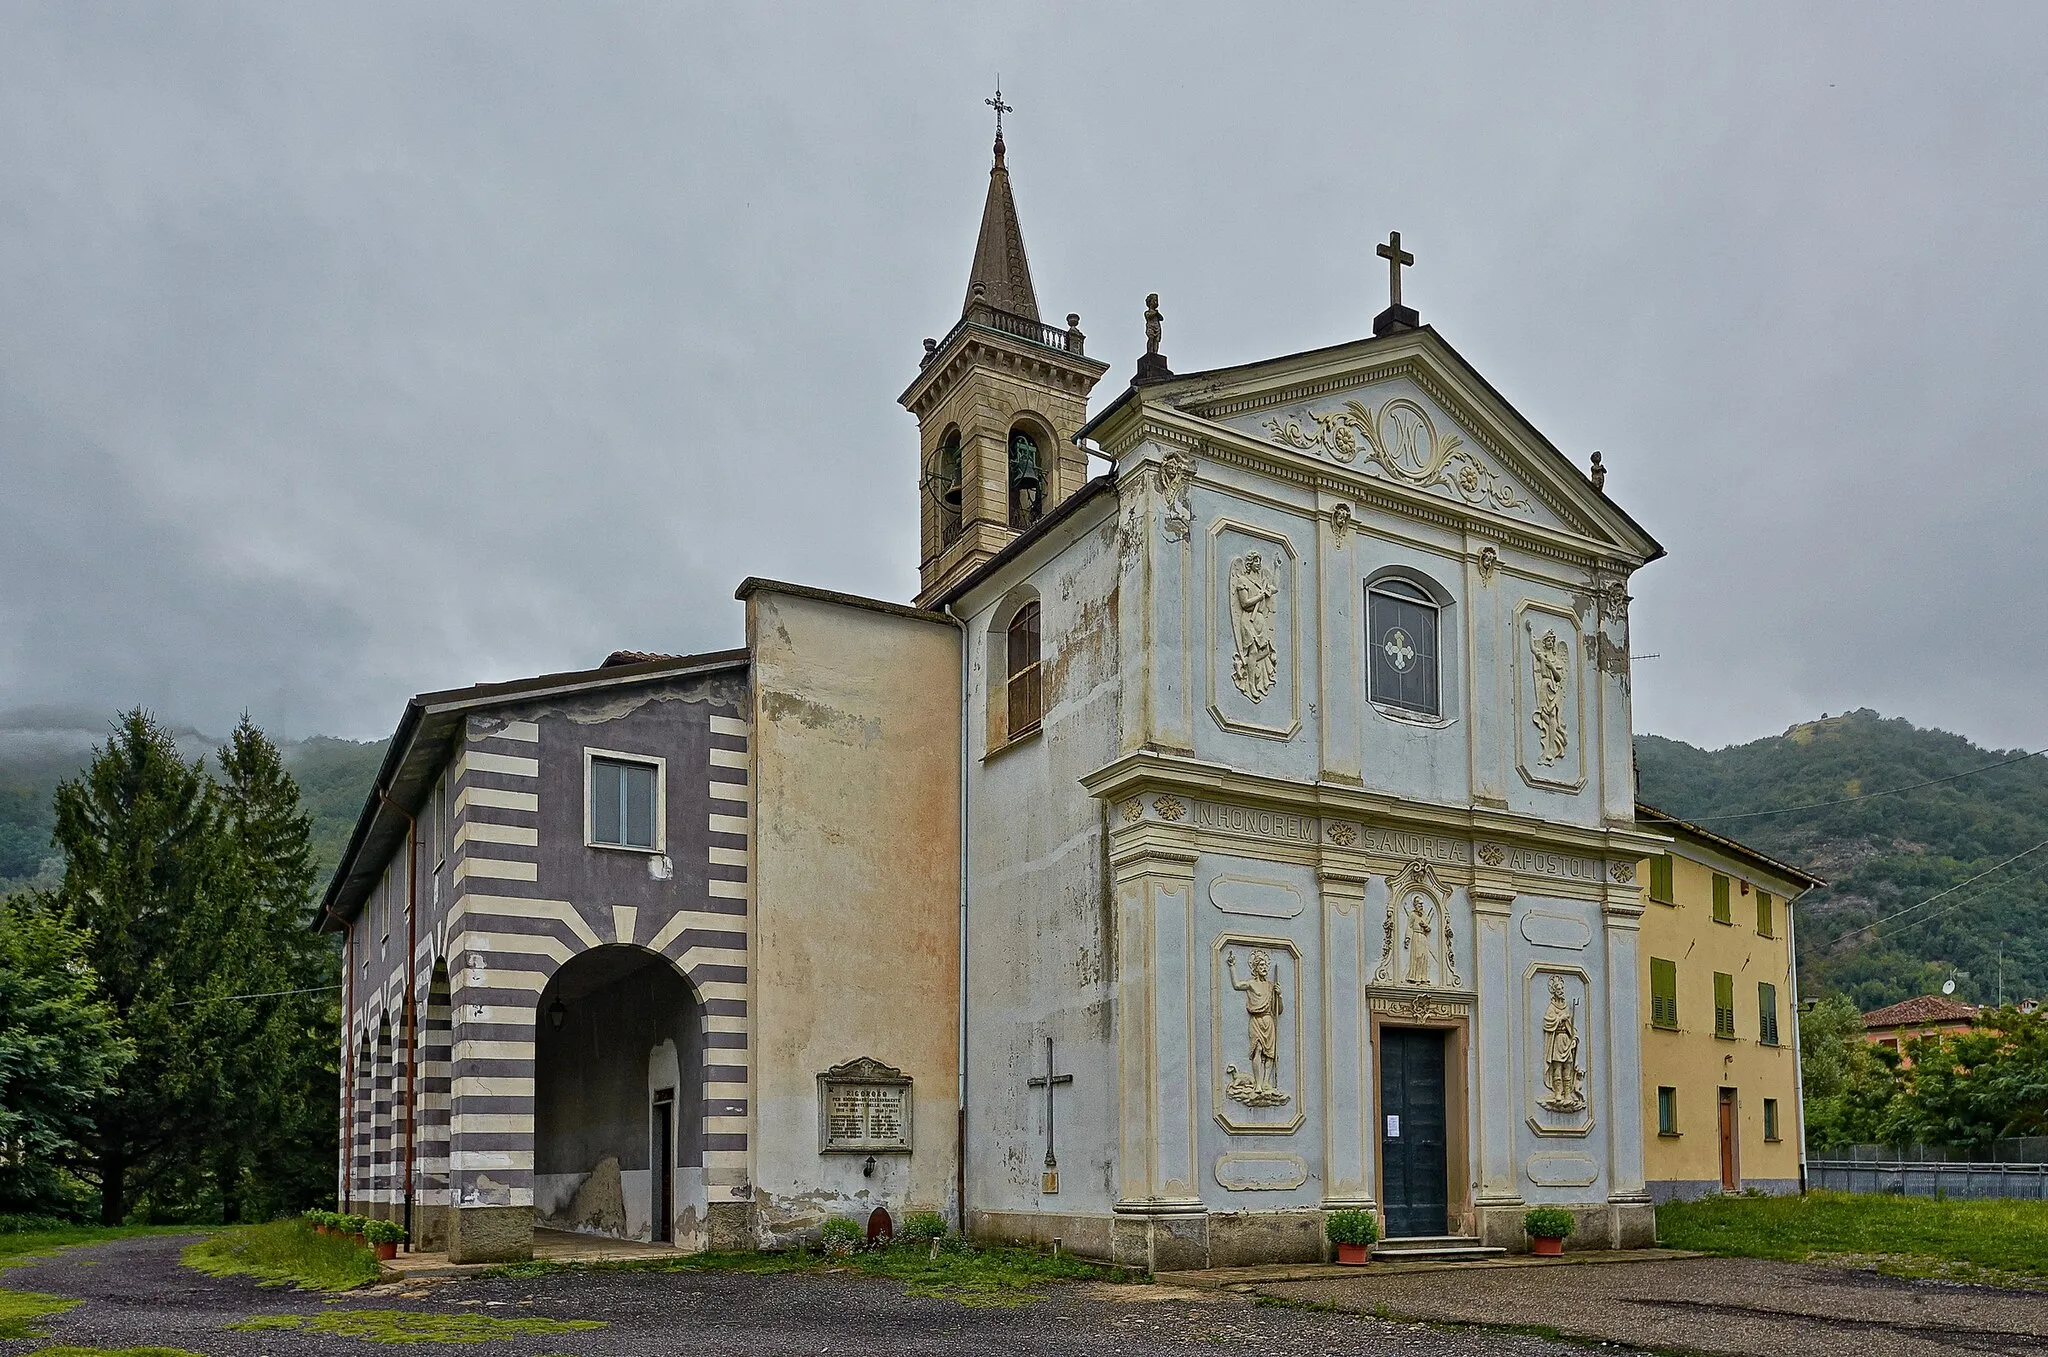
x: 1354, y: 1233
x: 1547, y: 1228
x: 384, y: 1237
x: 352, y: 1227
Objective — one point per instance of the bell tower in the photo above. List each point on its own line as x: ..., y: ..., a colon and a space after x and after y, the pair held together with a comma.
x: 998, y: 402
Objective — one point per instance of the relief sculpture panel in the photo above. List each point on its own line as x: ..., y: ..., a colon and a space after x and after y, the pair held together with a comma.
x: 1549, y: 698
x: 1255, y: 1034
x: 1418, y: 945
x: 1254, y: 671
x: 1558, y: 1024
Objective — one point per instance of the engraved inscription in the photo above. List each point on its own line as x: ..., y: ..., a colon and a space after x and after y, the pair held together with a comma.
x: 1560, y: 865
x: 1401, y: 843
x: 1263, y: 824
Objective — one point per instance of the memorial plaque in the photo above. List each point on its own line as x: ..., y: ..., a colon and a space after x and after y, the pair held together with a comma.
x: 863, y: 1108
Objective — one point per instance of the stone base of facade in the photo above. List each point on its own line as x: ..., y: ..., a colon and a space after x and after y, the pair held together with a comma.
x: 490, y: 1234
x: 1607, y: 1225
x: 1165, y: 1243
x: 731, y: 1225
x: 1692, y: 1189
x: 429, y: 1229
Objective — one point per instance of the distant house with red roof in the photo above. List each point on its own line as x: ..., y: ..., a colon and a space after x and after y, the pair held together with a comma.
x: 1925, y: 1015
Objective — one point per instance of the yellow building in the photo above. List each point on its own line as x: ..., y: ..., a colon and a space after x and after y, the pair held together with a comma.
x: 1720, y: 999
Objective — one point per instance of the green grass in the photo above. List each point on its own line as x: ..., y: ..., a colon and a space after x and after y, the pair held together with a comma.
x: 20, y: 1311
x: 1994, y: 1241
x: 971, y: 1276
x: 284, y: 1251
x: 411, y: 1326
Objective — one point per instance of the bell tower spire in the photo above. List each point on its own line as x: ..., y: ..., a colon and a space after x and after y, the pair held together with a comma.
x: 998, y: 402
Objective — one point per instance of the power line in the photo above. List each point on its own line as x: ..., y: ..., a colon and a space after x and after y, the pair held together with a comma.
x: 1970, y: 899
x: 1847, y: 800
x: 267, y: 994
x: 1950, y: 891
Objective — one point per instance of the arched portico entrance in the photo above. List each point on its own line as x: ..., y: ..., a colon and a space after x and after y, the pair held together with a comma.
x: 618, y: 1099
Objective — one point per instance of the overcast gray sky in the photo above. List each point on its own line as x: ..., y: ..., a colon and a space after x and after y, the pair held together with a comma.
x: 353, y: 351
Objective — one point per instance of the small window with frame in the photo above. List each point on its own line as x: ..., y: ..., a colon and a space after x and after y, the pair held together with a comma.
x: 1022, y: 693
x: 1771, y: 1119
x: 1667, y: 1111
x: 627, y: 802
x: 1402, y: 651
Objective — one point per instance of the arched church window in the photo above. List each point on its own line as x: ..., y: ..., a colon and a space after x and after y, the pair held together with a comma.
x: 1021, y: 685
x: 946, y: 488
x: 1402, y: 625
x: 1027, y: 480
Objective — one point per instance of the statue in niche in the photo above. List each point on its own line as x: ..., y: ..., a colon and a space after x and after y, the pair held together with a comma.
x: 1262, y: 1006
x: 1553, y: 663
x: 1254, y: 592
x: 1421, y: 968
x: 1564, y: 1083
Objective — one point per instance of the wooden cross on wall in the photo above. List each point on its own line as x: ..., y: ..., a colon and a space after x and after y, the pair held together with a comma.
x: 1049, y: 1182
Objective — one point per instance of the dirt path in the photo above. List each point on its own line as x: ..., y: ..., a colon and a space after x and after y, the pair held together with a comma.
x: 135, y: 1293
x: 1713, y: 1305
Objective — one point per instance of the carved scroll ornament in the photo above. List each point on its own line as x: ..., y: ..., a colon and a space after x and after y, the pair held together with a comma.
x: 1403, y: 442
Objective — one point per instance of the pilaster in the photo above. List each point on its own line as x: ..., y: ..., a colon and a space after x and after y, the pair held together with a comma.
x: 1155, y: 894
x: 1496, y: 1114
x: 1621, y: 913
x: 1348, y: 1117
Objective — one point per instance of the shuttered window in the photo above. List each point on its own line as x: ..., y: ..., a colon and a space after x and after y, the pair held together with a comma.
x: 1724, y: 1004
x: 1660, y: 880
x: 1667, y: 1111
x: 1721, y: 910
x: 1663, y: 993
x: 1767, y: 1013
x: 1765, y: 922
x: 1022, y: 686
x: 1771, y: 1119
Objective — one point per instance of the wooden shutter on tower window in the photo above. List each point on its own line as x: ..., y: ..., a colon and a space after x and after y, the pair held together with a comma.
x: 1721, y: 908
x: 1660, y: 879
x: 1724, y: 1004
x: 1764, y: 921
x: 1663, y: 993
x: 1767, y: 1013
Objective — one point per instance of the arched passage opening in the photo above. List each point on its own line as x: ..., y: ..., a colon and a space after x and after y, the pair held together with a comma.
x: 618, y: 1142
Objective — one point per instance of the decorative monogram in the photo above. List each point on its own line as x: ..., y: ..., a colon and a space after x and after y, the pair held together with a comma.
x: 1492, y: 854
x: 1404, y: 443
x: 1622, y: 872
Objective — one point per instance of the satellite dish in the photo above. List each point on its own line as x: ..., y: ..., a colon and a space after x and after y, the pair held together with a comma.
x: 1948, y: 987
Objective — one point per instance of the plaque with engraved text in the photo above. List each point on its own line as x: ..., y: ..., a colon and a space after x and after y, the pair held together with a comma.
x: 864, y: 1108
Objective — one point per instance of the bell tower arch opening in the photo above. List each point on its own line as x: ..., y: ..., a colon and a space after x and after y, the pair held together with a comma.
x: 618, y: 1138
x: 998, y: 402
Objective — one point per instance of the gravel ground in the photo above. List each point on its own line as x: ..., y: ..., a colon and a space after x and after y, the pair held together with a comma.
x: 136, y: 1293
x: 1716, y: 1305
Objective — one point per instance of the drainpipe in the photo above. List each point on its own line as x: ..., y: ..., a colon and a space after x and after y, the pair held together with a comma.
x: 412, y: 966
x: 348, y: 1061
x: 1798, y: 1047
x: 960, y: 1053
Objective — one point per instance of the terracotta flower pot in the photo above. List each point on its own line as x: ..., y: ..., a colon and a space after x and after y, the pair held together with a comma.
x: 1354, y: 1255
x: 387, y: 1250
x: 1546, y: 1246
x: 358, y: 1241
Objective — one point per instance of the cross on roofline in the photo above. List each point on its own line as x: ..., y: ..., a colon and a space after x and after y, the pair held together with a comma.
x: 1395, y: 257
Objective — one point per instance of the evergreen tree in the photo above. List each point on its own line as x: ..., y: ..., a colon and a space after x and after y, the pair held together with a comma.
x: 60, y: 1051
x: 280, y: 1147
x: 138, y: 831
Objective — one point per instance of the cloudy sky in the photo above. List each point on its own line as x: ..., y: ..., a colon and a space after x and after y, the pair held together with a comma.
x: 352, y: 351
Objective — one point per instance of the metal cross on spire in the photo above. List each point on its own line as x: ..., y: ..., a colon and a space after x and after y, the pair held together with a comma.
x: 1000, y: 107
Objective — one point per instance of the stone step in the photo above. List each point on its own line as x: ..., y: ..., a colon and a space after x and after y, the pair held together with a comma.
x: 1433, y: 1249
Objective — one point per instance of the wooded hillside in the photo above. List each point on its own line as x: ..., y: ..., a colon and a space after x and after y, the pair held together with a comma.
x: 1885, y: 854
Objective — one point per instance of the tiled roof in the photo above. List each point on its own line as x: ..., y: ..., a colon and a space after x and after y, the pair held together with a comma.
x: 619, y: 657
x: 1921, y: 1009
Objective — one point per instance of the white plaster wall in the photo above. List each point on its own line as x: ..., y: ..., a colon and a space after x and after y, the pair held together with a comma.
x: 1039, y: 912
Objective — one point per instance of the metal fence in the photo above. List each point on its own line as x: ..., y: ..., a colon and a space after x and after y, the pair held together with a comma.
x: 2010, y: 1150
x: 1926, y: 1178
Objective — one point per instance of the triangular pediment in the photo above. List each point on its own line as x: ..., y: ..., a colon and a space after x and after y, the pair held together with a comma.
x: 1408, y: 411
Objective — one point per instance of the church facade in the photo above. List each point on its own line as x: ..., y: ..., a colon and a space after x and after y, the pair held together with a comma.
x: 1243, y: 831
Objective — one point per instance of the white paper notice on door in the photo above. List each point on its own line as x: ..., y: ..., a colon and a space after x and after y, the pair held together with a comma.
x: 1393, y: 1128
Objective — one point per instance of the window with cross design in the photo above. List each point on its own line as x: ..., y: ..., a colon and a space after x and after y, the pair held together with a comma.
x: 1401, y: 646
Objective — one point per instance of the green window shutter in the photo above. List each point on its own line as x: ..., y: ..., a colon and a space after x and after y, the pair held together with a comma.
x: 1724, y: 1004
x: 1660, y: 878
x: 1764, y: 921
x: 1767, y: 1013
x: 1721, y: 914
x: 1663, y: 993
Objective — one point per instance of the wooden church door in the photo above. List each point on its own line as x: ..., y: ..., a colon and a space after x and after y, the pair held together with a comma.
x: 1414, y: 1169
